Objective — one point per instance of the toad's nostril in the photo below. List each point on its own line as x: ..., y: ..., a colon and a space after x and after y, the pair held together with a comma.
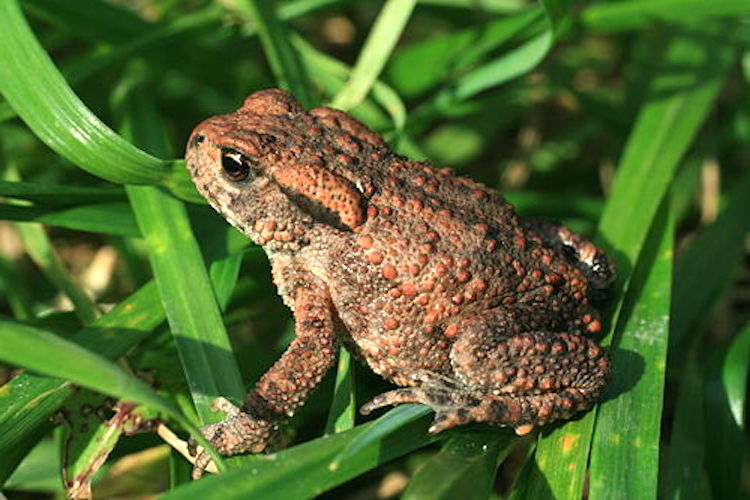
x: 196, y: 140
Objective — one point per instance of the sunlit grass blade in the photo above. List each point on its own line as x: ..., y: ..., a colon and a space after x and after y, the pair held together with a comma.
x: 675, y: 108
x: 27, y: 400
x: 506, y: 67
x: 186, y: 292
x: 52, y: 355
x: 380, y: 42
x: 734, y: 372
x: 305, y: 471
x: 332, y: 73
x: 625, y: 449
x: 420, y: 66
x: 343, y: 404
x: 384, y: 426
x: 39, y: 94
x: 725, y: 444
x: 464, y: 468
x: 105, y: 218
x: 489, y: 6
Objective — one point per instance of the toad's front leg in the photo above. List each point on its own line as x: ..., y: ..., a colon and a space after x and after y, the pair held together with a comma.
x: 288, y: 383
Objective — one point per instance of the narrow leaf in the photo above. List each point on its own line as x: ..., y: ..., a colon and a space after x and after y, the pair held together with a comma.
x: 381, y: 40
x: 35, y: 89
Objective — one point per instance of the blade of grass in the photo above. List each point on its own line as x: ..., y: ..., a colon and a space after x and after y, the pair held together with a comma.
x: 666, y: 125
x: 331, y: 73
x: 391, y: 422
x: 697, y: 285
x: 464, y: 468
x: 684, y: 463
x: 184, y: 285
x: 35, y: 89
x: 42, y: 352
x: 734, y: 374
x: 636, y: 14
x: 343, y: 404
x: 105, y: 218
x: 489, y: 6
x: 625, y: 448
x: 285, y: 64
x: 305, y: 471
x: 95, y: 20
x: 510, y: 65
x: 41, y: 251
x: 420, y: 66
x: 725, y: 441
x: 59, y: 194
x: 381, y: 40
x: 27, y: 400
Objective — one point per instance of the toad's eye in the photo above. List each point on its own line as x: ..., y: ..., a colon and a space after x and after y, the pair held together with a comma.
x: 236, y: 165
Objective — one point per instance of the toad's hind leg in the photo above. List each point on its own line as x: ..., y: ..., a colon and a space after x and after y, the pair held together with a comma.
x: 519, y: 380
x: 531, y: 378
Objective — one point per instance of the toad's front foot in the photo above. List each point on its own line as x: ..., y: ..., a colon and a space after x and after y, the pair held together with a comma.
x: 240, y: 432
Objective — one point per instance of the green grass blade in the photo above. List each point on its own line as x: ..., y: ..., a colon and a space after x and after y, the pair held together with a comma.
x: 284, y: 61
x: 331, y: 73
x: 384, y: 426
x: 43, y: 254
x: 616, y: 16
x: 734, y: 372
x: 697, y: 285
x: 343, y: 404
x: 464, y: 468
x: 47, y: 353
x: 510, y: 65
x: 558, y: 15
x: 59, y: 194
x: 106, y: 218
x: 186, y: 292
x: 380, y: 42
x: 678, y: 104
x: 305, y: 471
x: 27, y: 400
x: 725, y: 442
x: 16, y: 291
x: 685, y: 475
x: 35, y: 89
x: 420, y: 66
x: 625, y: 449
x: 94, y: 20
x: 666, y: 125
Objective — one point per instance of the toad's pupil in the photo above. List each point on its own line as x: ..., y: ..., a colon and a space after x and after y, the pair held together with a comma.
x: 235, y: 164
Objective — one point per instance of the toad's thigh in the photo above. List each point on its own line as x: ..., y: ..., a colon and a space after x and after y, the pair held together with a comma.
x: 486, y: 357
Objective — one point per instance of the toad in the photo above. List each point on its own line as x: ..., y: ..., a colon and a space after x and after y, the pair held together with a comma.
x: 431, y: 279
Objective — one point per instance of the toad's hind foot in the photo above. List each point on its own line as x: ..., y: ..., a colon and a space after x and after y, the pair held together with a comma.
x: 523, y: 413
x: 451, y: 408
